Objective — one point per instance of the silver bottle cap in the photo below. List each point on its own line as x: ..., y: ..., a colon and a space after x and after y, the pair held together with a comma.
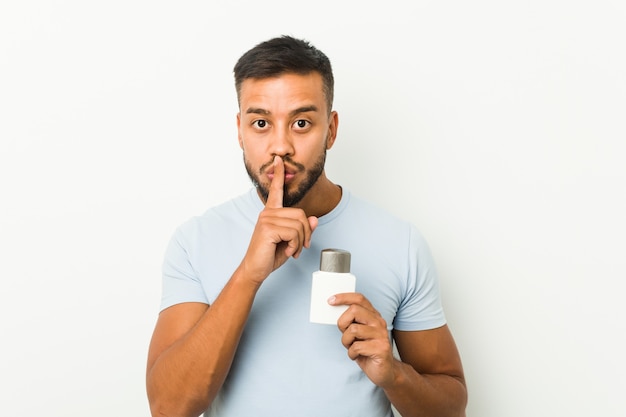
x: 335, y: 260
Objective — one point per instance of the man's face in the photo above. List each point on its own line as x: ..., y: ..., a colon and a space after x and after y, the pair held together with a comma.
x: 285, y: 116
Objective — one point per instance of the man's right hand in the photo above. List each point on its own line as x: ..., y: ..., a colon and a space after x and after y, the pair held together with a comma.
x: 280, y: 232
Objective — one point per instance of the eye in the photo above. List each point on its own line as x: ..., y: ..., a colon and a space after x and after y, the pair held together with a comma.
x: 261, y: 124
x: 301, y: 124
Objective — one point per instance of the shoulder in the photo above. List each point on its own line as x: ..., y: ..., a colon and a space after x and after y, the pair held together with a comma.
x: 241, y: 210
x: 384, y: 232
x: 378, y: 219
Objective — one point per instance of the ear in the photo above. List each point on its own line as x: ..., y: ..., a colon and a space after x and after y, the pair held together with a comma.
x: 239, y: 130
x: 333, y: 125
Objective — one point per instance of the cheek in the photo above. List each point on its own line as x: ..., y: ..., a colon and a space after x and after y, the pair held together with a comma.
x: 247, y: 146
x: 254, y: 157
x: 251, y: 153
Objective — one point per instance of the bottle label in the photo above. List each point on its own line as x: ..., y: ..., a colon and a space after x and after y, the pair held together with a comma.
x: 325, y: 285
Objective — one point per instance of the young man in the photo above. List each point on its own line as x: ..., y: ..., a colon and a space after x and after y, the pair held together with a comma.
x: 234, y: 338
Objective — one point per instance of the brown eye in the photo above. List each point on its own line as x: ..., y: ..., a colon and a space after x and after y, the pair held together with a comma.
x: 301, y: 124
x: 261, y: 123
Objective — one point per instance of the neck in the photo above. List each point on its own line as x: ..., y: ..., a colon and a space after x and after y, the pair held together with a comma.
x: 322, y: 198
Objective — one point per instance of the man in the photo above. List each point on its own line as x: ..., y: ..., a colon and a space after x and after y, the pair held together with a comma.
x: 234, y: 337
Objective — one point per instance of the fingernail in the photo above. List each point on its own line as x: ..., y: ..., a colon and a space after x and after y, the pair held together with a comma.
x: 331, y: 300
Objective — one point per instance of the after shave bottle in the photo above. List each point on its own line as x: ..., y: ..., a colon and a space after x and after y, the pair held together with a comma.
x: 334, y: 277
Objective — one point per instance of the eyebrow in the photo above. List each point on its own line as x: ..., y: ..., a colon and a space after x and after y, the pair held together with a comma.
x: 303, y: 109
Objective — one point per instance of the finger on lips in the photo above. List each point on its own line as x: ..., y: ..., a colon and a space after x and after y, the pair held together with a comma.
x: 286, y: 216
x: 275, y: 197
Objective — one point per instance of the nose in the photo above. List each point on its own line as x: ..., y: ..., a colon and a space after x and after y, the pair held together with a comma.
x: 281, y: 142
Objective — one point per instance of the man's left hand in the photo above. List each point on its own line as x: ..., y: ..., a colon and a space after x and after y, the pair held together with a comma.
x: 366, y: 337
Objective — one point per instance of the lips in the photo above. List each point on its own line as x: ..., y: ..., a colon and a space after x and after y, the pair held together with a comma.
x: 289, y: 174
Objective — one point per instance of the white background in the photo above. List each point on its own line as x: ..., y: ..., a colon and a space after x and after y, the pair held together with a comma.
x: 498, y: 128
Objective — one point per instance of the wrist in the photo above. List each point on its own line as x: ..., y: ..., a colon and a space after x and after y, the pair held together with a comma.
x: 247, y: 279
x: 398, y: 376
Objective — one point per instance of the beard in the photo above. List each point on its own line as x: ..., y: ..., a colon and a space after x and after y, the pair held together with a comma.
x: 292, y: 198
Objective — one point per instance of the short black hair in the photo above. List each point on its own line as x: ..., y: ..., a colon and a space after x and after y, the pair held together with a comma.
x: 283, y: 55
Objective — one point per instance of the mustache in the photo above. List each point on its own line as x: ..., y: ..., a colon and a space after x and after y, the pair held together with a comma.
x: 286, y: 160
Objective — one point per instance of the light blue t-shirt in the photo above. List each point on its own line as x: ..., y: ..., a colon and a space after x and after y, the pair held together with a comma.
x: 284, y: 364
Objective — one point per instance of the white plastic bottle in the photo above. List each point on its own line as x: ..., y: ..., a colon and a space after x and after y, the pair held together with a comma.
x: 334, y: 277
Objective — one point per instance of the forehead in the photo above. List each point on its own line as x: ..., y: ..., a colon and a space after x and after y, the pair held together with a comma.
x: 283, y: 92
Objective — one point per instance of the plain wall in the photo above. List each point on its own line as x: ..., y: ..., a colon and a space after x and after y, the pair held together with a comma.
x: 496, y: 127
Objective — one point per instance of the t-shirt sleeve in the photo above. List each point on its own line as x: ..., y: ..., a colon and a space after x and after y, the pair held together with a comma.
x: 181, y: 283
x: 421, y: 308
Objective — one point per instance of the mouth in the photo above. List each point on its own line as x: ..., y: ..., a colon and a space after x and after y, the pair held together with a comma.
x: 289, y: 175
x: 292, y: 169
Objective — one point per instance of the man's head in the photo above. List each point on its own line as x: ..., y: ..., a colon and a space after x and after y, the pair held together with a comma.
x: 284, y: 89
x: 285, y: 55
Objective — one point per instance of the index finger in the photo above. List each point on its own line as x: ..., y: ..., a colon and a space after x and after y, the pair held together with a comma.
x: 275, y: 195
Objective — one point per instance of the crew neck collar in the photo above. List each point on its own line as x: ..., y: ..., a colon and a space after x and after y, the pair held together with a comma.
x: 326, y: 218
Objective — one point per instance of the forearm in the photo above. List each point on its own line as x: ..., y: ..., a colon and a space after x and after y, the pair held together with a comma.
x: 426, y: 395
x: 187, y: 376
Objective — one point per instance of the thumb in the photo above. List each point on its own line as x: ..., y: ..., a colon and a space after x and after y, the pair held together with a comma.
x: 313, y: 225
x: 313, y: 221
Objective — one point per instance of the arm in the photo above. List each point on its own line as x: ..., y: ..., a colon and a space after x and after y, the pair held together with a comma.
x: 192, y: 349
x: 427, y: 381
x: 193, y: 344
